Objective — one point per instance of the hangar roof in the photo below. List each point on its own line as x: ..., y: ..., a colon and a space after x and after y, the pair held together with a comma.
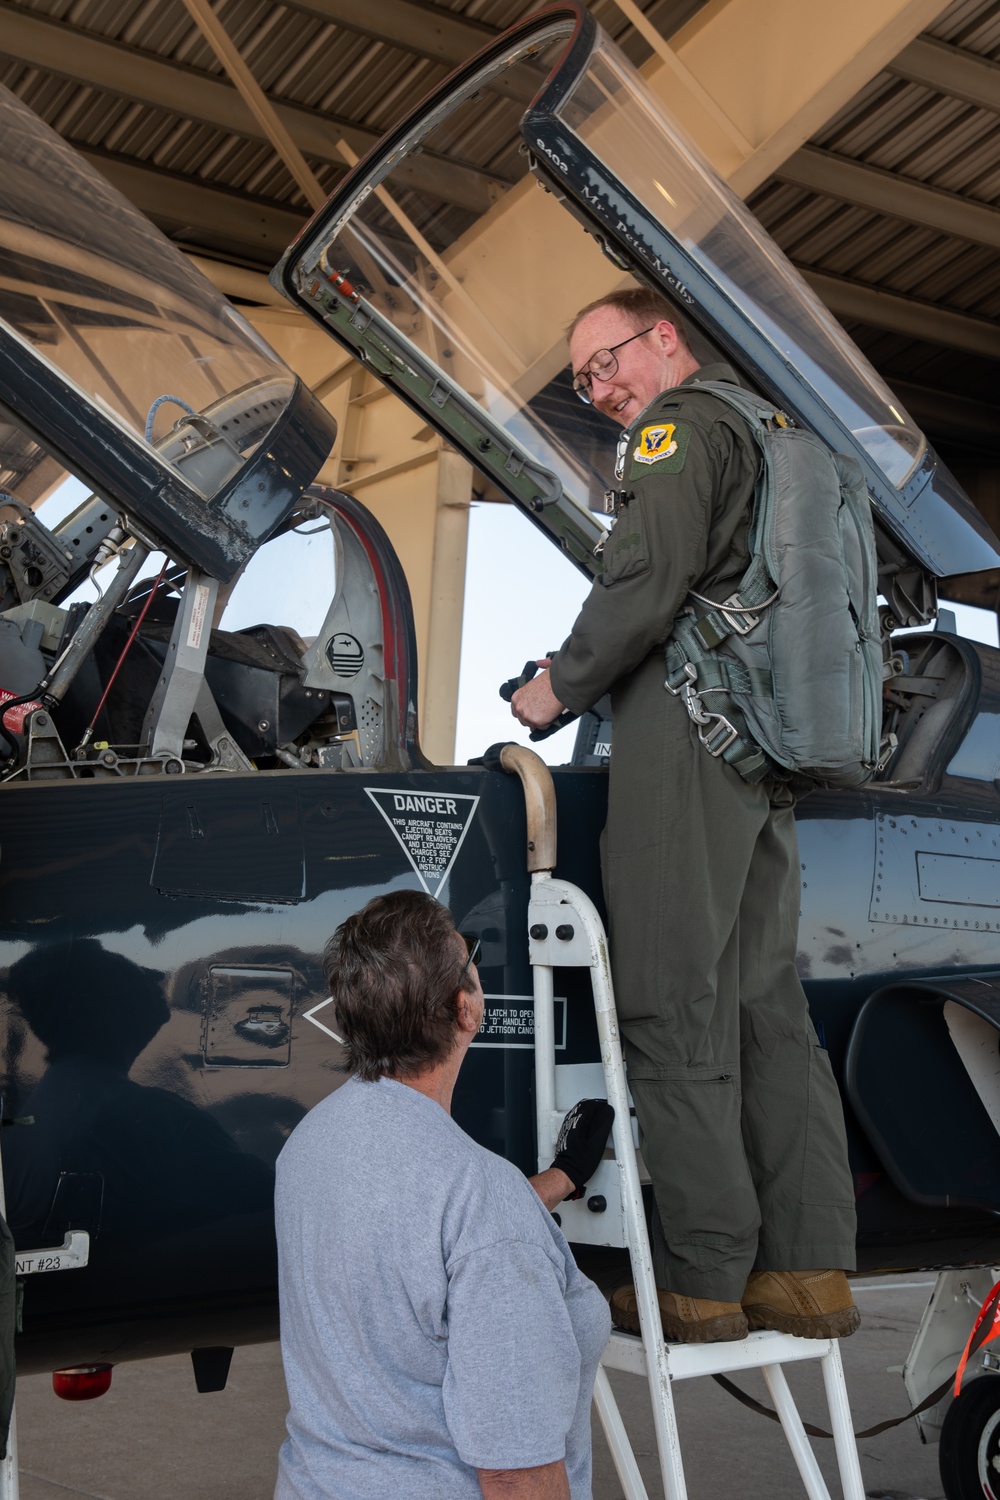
x: 897, y: 200
x: 892, y: 209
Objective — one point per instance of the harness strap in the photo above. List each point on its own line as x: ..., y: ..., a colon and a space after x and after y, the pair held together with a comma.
x: 821, y: 1432
x: 714, y: 674
x: 710, y: 684
x: 738, y: 613
x: 744, y: 754
x: 721, y: 724
x: 719, y: 674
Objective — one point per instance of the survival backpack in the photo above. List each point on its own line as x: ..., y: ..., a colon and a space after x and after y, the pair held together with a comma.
x: 785, y: 676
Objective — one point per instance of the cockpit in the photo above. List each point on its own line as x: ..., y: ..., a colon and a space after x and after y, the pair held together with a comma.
x: 120, y: 363
x: 124, y: 366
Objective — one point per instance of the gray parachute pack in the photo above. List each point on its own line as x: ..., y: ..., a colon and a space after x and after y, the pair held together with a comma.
x: 784, y: 678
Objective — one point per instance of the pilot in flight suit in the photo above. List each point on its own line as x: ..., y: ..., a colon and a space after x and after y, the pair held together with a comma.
x: 741, y: 1120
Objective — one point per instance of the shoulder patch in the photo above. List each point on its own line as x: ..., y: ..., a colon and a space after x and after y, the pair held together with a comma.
x: 661, y: 447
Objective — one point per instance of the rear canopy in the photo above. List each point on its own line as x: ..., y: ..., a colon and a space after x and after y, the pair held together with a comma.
x: 463, y: 310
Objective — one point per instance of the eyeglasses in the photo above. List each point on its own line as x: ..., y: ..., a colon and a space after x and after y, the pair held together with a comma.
x: 603, y: 365
x: 475, y: 947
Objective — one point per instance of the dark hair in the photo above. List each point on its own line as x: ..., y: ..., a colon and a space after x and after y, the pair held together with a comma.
x: 641, y: 306
x: 394, y: 970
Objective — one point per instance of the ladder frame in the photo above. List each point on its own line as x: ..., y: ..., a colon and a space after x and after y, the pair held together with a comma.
x: 566, y: 931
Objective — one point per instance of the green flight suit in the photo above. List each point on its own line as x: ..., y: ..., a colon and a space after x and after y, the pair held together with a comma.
x: 742, y: 1125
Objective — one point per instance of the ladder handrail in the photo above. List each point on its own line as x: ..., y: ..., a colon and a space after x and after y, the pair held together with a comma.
x: 539, y: 804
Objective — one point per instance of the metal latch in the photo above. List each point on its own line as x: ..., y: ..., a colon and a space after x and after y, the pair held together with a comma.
x: 737, y: 616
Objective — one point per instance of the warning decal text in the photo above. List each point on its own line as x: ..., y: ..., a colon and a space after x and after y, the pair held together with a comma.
x: 430, y: 827
x: 509, y: 1021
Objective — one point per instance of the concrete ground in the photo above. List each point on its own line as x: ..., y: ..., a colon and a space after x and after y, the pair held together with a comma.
x: 152, y: 1437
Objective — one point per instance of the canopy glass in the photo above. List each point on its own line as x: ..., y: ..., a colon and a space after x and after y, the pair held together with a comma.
x: 464, y: 311
x: 626, y: 128
x: 94, y: 291
x: 431, y: 271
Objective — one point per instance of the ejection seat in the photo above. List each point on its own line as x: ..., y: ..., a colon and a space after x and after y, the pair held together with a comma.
x: 928, y: 705
x: 343, y: 698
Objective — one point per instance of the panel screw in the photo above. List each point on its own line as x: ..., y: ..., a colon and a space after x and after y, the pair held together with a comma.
x: 597, y: 1204
x: 538, y: 932
x: 564, y: 933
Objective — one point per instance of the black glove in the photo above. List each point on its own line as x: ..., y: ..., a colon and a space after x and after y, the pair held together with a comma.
x: 582, y: 1140
x: 510, y: 687
x: 491, y: 758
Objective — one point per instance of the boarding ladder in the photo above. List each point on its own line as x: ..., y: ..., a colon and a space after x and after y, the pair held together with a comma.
x: 565, y: 931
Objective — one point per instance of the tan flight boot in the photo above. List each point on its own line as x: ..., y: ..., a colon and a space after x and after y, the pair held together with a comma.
x: 811, y: 1304
x: 686, y: 1320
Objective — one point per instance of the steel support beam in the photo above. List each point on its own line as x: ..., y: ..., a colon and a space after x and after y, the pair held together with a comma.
x: 86, y: 59
x: 885, y: 193
x: 905, y: 315
x: 256, y: 101
x: 263, y: 229
x: 780, y: 69
x: 244, y: 285
x: 950, y: 70
x: 428, y: 30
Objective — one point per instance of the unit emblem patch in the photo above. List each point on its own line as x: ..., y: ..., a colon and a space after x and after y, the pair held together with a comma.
x: 655, y: 443
x: 661, y: 449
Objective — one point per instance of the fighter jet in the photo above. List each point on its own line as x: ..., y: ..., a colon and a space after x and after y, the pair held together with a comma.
x: 190, y: 810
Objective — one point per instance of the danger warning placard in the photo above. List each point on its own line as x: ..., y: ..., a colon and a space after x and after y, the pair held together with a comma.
x: 430, y: 827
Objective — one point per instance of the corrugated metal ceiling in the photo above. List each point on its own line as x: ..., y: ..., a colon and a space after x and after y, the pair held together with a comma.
x: 135, y: 85
x: 331, y: 70
x: 923, y: 136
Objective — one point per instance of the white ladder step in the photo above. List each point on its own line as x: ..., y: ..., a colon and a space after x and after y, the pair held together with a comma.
x: 625, y: 1351
x: 766, y: 1351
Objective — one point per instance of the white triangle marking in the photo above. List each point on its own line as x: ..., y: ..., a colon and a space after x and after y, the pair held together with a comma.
x: 429, y: 826
x: 310, y: 1015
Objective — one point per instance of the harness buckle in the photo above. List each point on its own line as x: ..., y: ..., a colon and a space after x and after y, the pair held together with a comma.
x: 887, y: 749
x: 685, y: 686
x: 736, y: 615
x: 708, y: 735
x: 715, y: 731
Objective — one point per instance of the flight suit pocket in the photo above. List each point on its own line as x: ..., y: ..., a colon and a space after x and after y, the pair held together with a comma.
x: 692, y: 1144
x: 626, y: 552
x: 826, y: 1177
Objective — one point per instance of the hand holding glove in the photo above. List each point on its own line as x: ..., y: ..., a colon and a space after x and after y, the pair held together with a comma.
x: 582, y: 1139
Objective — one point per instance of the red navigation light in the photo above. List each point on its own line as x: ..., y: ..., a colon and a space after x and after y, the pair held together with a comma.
x: 82, y: 1382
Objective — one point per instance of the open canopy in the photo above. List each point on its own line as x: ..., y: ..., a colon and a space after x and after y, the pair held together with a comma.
x: 126, y: 362
x: 464, y: 313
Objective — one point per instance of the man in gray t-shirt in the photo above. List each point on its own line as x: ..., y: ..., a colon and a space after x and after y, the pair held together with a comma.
x: 438, y: 1338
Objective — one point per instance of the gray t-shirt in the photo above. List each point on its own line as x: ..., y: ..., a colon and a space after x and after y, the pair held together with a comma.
x: 433, y: 1321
